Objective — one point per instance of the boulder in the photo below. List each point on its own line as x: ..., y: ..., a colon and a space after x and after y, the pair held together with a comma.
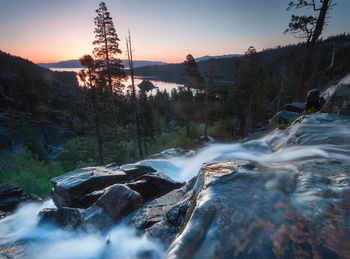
x: 162, y: 219
x: 313, y: 100
x: 95, y: 219
x: 82, y: 187
x: 244, y: 209
x: 66, y: 218
x: 11, y: 196
x: 153, y: 185
x: 155, y: 210
x: 117, y: 202
x: 296, y: 107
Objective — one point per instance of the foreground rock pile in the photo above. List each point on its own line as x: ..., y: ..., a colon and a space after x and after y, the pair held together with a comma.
x: 96, y: 198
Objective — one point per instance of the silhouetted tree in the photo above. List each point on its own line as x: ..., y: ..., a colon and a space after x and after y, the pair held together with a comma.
x: 107, y: 48
x: 88, y: 75
x: 193, y: 80
x: 309, y: 28
x: 211, y: 76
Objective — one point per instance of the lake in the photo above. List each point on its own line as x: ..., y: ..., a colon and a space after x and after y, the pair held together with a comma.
x: 162, y: 85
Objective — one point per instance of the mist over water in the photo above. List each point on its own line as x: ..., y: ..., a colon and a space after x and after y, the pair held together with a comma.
x: 51, y: 242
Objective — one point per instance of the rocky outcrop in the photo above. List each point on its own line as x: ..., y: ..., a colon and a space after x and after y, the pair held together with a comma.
x: 82, y: 187
x: 11, y: 196
x: 246, y: 210
x: 49, y: 136
x: 96, y: 198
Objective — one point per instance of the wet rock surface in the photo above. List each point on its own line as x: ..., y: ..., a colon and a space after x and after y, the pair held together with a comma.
x: 80, y: 188
x: 66, y: 218
x: 173, y: 152
x: 97, y: 198
x: 246, y: 210
x: 284, y: 117
x: 11, y: 196
x: 314, y: 129
x: 296, y: 107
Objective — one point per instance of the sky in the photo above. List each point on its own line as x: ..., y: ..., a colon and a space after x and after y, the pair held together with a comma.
x: 161, y: 30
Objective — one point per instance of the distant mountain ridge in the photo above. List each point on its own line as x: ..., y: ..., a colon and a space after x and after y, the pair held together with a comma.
x: 204, y: 58
x: 74, y: 63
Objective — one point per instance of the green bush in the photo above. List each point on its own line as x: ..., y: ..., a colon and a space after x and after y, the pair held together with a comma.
x: 31, y: 173
x: 220, y: 130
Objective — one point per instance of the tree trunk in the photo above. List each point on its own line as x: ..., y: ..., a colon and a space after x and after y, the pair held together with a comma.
x: 310, y: 49
x: 208, y: 108
x: 131, y: 66
x: 107, y: 58
x: 97, y: 128
x: 96, y: 120
x: 249, y: 116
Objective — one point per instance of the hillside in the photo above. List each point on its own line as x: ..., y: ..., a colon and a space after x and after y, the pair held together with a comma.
x: 272, y: 61
x: 35, y: 105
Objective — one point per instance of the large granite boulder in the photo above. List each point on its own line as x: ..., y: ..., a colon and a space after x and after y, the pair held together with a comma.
x: 247, y: 210
x: 117, y: 202
x: 11, y: 196
x: 82, y: 187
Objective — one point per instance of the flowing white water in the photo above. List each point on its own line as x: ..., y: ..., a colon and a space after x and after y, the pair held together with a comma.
x: 183, y: 169
x: 50, y: 242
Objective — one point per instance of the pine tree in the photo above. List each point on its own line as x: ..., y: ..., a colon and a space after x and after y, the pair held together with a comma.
x: 88, y: 75
x: 107, y: 48
x: 193, y: 80
x: 309, y: 28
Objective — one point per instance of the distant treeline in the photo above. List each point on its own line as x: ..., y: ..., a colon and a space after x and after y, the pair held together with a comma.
x: 271, y: 60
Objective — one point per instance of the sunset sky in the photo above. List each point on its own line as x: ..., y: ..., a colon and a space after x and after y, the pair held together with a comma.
x: 162, y: 30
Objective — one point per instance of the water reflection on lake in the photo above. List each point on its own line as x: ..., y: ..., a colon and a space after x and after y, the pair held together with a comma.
x: 161, y: 85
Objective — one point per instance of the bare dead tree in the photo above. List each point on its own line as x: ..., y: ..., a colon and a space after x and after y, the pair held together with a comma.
x: 134, y: 104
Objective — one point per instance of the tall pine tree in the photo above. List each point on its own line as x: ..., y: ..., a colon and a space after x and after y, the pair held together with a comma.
x: 106, y: 49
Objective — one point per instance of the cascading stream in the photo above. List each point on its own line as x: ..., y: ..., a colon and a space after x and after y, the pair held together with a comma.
x: 318, y: 137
